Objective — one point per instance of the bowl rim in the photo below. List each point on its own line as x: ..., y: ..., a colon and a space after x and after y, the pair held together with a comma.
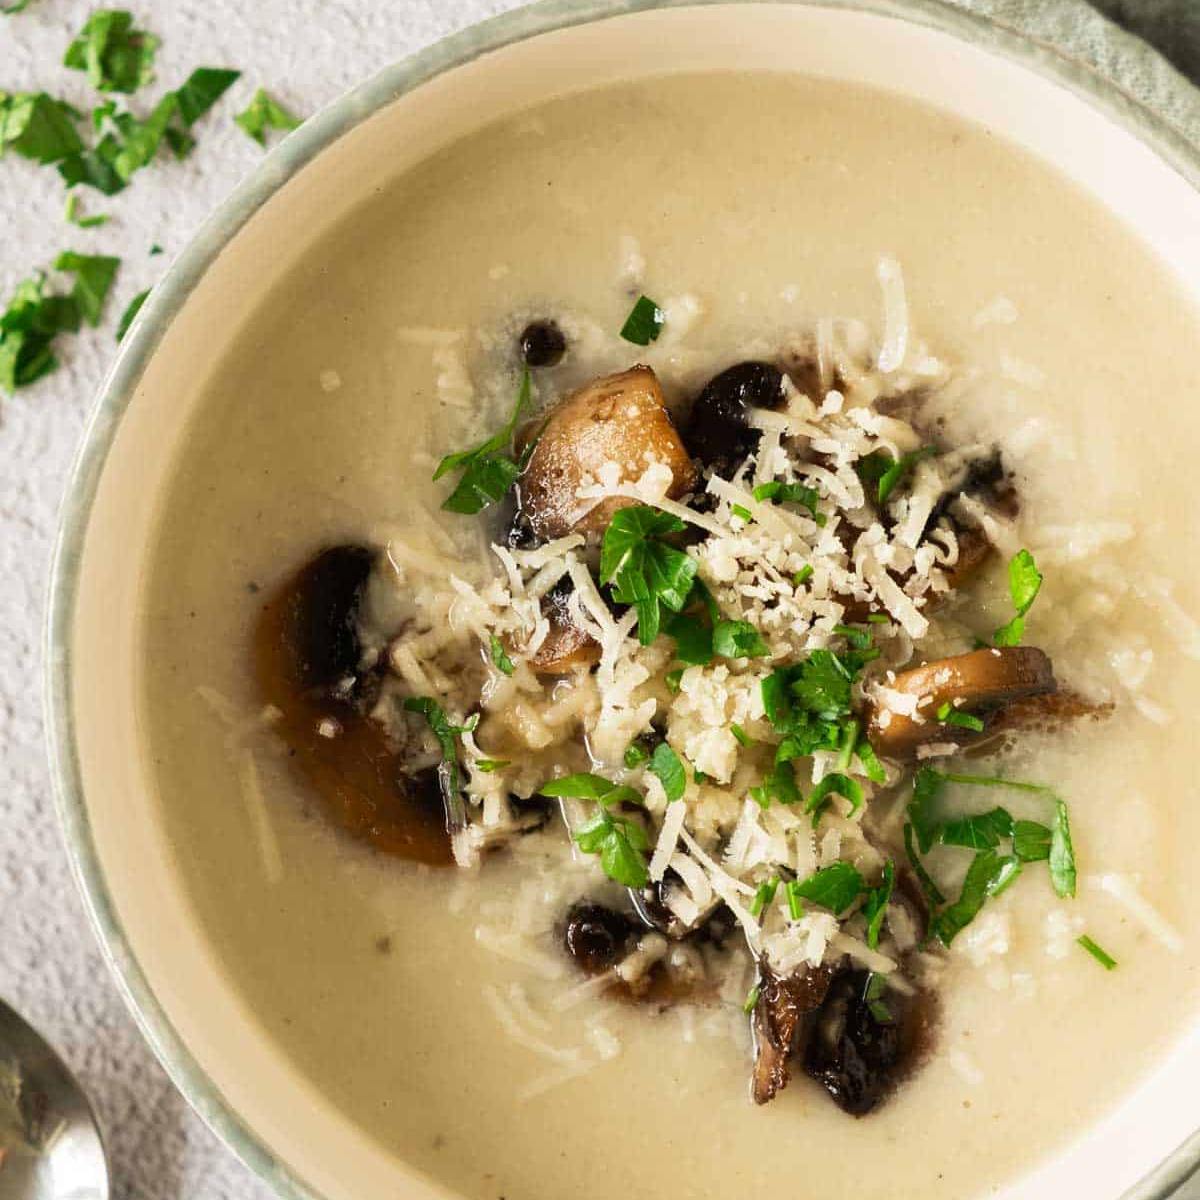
x: 1114, y: 71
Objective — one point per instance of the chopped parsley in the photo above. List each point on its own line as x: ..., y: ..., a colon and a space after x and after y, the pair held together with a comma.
x: 117, y: 56
x: 14, y: 6
x: 644, y: 323
x: 982, y: 832
x: 873, y: 994
x: 489, y: 765
x: 794, y: 902
x: 693, y: 638
x: 740, y: 510
x: 933, y: 894
x: 751, y: 1001
x: 130, y: 314
x: 94, y: 275
x: 876, y: 904
x: 38, y: 127
x: 834, y: 887
x: 642, y: 569
x: 1031, y: 841
x: 635, y: 755
x: 803, y: 575
x: 763, y: 896
x: 741, y: 736
x: 445, y: 731
x: 28, y: 327
x: 71, y: 214
x: 791, y: 493
x: 263, y: 113
x: 988, y: 875
x: 738, y: 639
x: 1024, y: 583
x: 201, y: 90
x: 947, y: 714
x: 835, y: 783
x: 1101, y: 955
x: 488, y: 471
x: 499, y: 656
x: 672, y: 679
x: 886, y: 473
x: 665, y: 763
x: 1062, y: 853
x: 620, y: 841
x: 779, y: 783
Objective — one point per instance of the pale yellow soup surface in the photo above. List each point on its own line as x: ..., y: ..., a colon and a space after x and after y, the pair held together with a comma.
x: 769, y: 199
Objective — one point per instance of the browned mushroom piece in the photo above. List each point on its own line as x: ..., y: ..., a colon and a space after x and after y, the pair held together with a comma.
x: 782, y: 1004
x: 618, y: 419
x: 566, y: 645
x: 307, y: 664
x: 983, y: 683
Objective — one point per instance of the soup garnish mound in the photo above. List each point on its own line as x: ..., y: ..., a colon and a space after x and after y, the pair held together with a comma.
x: 696, y: 660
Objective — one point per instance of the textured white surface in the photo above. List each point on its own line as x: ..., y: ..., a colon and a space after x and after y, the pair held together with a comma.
x: 306, y: 52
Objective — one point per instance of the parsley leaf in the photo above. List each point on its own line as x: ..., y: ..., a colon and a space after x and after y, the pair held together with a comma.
x: 927, y: 789
x: 791, y: 493
x: 39, y: 127
x: 779, y: 783
x: 644, y: 571
x: 1062, y: 853
x: 763, y: 896
x: 500, y: 658
x: 619, y: 841
x: 877, y: 902
x: 988, y: 875
x: 490, y: 765
x: 116, y: 56
x: 834, y: 783
x: 740, y: 735
x: 487, y: 474
x: 27, y: 330
x: 693, y: 639
x: 263, y: 113
x: 982, y: 832
x: 664, y: 763
x: 1031, y: 841
x: 1024, y: 583
x: 947, y: 714
x: 933, y: 894
x: 892, y: 476
x: 94, y: 274
x: 738, y: 639
x: 1101, y: 955
x: 131, y: 311
x: 644, y: 323
x: 201, y: 90
x: 873, y: 994
x: 71, y: 214
x: 834, y: 887
x: 447, y: 735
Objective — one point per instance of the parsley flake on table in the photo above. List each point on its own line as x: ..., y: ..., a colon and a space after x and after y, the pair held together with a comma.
x: 644, y: 323
x: 117, y: 56
x: 643, y: 570
x: 488, y: 471
x: 265, y: 112
x: 38, y: 127
x: 131, y: 311
x: 620, y: 841
x: 201, y: 90
x: 94, y: 275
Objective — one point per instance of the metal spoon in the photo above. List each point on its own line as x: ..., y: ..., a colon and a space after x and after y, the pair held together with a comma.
x: 50, y: 1145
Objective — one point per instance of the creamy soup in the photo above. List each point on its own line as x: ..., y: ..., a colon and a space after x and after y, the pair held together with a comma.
x: 881, y: 259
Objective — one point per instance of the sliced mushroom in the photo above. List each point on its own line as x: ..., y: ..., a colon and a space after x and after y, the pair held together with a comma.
x: 596, y: 937
x: 719, y: 431
x: 307, y: 661
x: 982, y: 683
x: 618, y: 419
x: 566, y: 645
x: 860, y: 1046
x: 779, y: 1011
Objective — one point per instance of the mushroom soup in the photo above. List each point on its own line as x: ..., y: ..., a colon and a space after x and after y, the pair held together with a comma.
x: 683, y: 685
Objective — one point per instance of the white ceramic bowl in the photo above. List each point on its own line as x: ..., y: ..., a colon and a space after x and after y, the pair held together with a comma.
x: 1026, y: 78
